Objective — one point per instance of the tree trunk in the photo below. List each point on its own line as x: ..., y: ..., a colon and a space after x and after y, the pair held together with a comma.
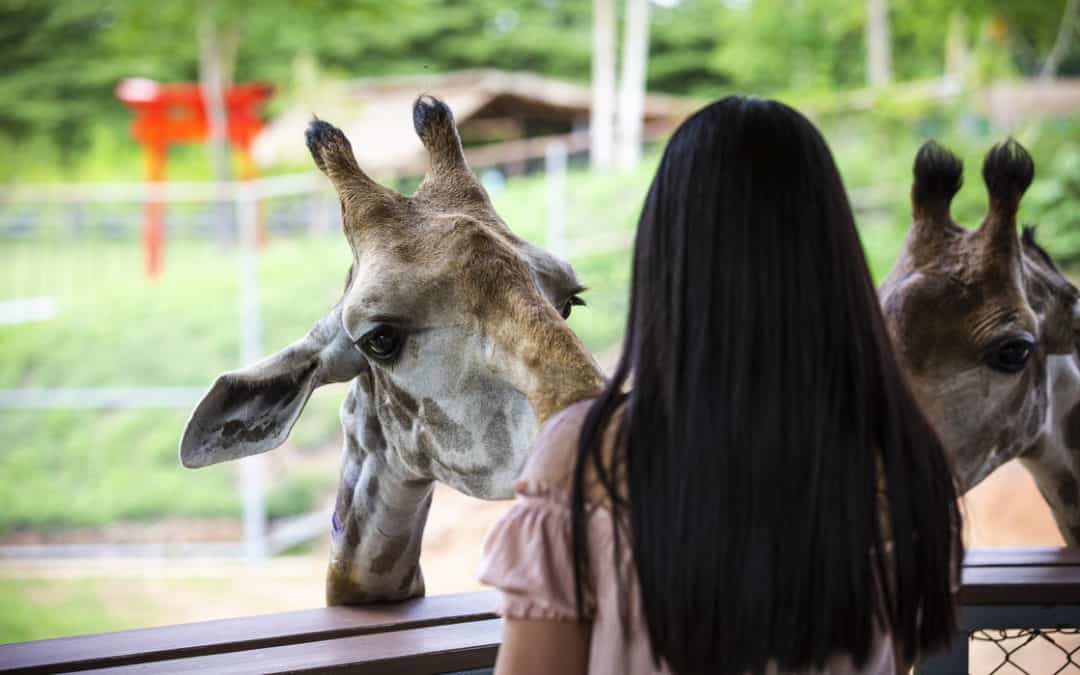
x: 602, y: 117
x: 878, y: 53
x: 631, y: 108
x: 1066, y: 30
x: 213, y: 70
x: 957, y: 51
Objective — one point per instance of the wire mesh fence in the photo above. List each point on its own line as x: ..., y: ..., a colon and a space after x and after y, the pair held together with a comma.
x: 1034, y: 651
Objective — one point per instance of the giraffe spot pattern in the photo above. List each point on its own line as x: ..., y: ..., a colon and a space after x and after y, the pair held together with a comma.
x: 1072, y: 428
x: 1068, y: 491
x: 455, y: 436
x: 390, y: 554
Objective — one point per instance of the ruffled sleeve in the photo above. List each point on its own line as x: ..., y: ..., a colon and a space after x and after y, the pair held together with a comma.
x: 528, y: 558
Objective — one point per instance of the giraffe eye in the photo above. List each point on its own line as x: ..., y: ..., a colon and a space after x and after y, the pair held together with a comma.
x: 1010, y: 356
x: 569, y: 306
x: 382, y: 342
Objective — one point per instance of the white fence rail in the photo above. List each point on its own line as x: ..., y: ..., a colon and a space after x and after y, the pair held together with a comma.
x: 99, y: 398
x: 174, y: 192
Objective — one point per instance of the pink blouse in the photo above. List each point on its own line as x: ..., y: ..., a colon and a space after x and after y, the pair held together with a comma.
x: 528, y: 558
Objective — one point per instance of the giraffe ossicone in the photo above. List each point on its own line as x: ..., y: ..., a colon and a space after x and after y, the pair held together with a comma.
x: 451, y: 332
x: 986, y: 328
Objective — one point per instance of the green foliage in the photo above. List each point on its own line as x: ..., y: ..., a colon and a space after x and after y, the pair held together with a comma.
x: 601, y: 209
x: 48, y: 84
x: 61, y: 60
x: 1054, y: 202
x: 819, y: 41
x: 682, y: 41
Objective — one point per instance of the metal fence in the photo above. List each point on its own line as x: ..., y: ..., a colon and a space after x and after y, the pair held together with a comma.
x: 58, y: 240
x: 1012, y: 639
x: 1027, y: 650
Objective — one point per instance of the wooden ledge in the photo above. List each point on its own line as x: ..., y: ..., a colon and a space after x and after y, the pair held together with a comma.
x: 1021, y: 576
x: 235, y: 635
x: 434, y: 649
x: 1050, y: 556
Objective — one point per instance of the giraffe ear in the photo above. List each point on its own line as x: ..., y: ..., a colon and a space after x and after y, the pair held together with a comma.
x: 434, y: 125
x: 938, y: 177
x: 333, y: 154
x: 1007, y: 171
x: 252, y: 410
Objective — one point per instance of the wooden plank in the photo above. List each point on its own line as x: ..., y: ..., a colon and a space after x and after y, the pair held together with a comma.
x: 213, y: 637
x: 1020, y: 585
x: 435, y: 649
x: 1005, y: 557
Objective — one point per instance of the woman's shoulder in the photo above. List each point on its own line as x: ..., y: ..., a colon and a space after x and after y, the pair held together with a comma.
x: 550, y: 466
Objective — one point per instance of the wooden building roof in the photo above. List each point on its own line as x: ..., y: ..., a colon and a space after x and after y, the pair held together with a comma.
x: 493, y: 109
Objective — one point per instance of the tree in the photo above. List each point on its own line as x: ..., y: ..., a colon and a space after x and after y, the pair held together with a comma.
x: 602, y: 115
x: 878, y: 52
x: 61, y: 60
x: 791, y: 45
x: 1070, y: 24
x: 631, y: 106
x: 683, y: 38
x: 50, y: 85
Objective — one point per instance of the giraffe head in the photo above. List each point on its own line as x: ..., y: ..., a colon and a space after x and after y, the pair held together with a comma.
x: 451, y: 328
x: 976, y: 314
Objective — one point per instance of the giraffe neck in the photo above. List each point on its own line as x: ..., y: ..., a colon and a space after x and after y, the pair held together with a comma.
x: 378, y: 521
x: 1054, y: 461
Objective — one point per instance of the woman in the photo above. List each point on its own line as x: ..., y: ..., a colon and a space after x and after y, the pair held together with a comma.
x: 767, y: 497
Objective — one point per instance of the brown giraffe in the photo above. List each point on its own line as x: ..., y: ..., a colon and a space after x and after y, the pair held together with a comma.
x: 986, y: 328
x: 452, y: 332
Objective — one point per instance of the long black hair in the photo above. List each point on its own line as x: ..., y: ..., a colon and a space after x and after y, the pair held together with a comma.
x: 763, y: 410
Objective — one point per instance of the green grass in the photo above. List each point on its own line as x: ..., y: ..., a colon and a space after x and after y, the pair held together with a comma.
x: 56, y: 605
x: 114, y: 328
x: 38, y: 609
x: 76, y: 467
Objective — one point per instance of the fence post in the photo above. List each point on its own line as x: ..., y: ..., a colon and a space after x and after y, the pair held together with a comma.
x: 252, y: 469
x: 555, y: 179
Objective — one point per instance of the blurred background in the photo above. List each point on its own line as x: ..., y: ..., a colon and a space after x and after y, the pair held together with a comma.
x: 161, y: 222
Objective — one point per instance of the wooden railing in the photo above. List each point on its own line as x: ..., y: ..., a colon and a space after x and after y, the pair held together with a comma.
x: 430, y: 635
x: 1004, y: 588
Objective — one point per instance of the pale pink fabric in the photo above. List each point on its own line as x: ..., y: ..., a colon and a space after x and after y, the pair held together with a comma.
x: 527, y: 557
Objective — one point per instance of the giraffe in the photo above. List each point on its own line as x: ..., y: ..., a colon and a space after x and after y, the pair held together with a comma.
x: 452, y: 333
x: 986, y: 328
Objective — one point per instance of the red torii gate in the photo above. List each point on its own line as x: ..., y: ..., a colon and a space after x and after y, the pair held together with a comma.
x: 176, y: 113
